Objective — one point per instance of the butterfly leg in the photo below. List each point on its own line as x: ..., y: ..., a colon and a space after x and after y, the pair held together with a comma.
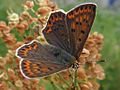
x: 75, y: 65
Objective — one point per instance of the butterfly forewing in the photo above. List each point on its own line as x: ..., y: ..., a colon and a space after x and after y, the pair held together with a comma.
x: 55, y: 31
x: 79, y: 22
x: 33, y: 50
x: 70, y: 30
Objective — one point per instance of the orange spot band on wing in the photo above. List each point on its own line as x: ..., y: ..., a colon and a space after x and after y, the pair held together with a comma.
x: 35, y: 66
x: 44, y: 69
x: 60, y: 18
x: 73, y: 25
x: 85, y: 10
x: 49, y: 30
x: 89, y: 10
x: 77, y: 19
x: 81, y: 11
x: 35, y: 71
x: 35, y: 45
x: 27, y: 63
x: 84, y: 26
x: 81, y: 19
x: 49, y: 25
x: 26, y: 49
x: 70, y: 16
x: 76, y: 12
x: 56, y: 19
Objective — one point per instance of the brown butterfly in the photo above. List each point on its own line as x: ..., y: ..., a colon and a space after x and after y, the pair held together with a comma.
x: 66, y: 34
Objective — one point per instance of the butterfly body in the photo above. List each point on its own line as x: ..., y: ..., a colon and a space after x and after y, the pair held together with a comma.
x: 66, y: 34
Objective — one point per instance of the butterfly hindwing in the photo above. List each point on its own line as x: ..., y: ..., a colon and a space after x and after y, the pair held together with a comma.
x: 56, y: 32
x: 33, y: 68
x: 79, y: 22
x: 36, y: 68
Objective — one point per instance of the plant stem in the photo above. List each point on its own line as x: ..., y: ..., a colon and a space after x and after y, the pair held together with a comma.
x: 75, y: 78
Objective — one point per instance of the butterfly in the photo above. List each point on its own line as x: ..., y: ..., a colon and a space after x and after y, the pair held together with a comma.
x: 66, y: 34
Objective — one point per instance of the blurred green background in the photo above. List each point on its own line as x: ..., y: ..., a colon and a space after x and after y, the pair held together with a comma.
x: 107, y: 22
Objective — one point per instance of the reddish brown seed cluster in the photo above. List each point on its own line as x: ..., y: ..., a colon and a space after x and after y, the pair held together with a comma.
x: 10, y: 75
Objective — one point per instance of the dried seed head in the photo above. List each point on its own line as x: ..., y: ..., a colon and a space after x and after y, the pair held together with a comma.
x: 5, y: 76
x: 96, y: 71
x: 12, y: 75
x: 9, y: 39
x: 86, y: 86
x: 95, y: 85
x: 42, y: 88
x: 13, y: 18
x: 19, y: 83
x: 4, y: 85
x: 2, y: 74
x: 2, y: 62
x: 26, y: 82
x: 23, y: 25
x: 81, y: 73
x: 53, y: 6
x: 2, y: 25
x: 25, y: 15
x: 28, y: 5
x: 43, y: 11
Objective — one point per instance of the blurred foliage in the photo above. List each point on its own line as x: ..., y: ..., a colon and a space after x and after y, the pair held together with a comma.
x: 107, y: 22
x: 6, y: 5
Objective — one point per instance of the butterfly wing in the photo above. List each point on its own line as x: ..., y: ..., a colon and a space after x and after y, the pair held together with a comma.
x: 38, y: 60
x: 39, y: 68
x: 33, y: 50
x: 56, y: 32
x: 70, y: 31
x: 79, y: 22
